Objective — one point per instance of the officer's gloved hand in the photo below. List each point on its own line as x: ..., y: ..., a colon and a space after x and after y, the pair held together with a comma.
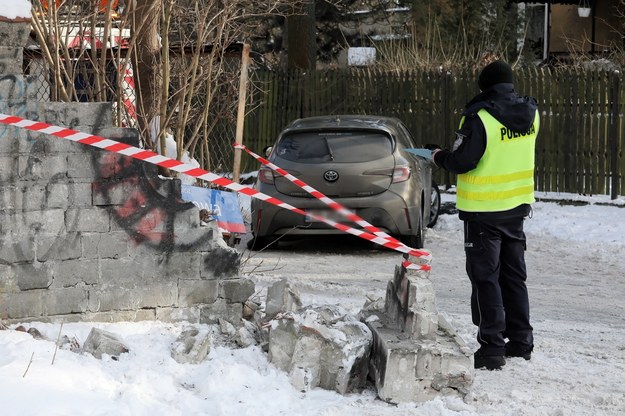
x: 434, y: 148
x: 431, y: 146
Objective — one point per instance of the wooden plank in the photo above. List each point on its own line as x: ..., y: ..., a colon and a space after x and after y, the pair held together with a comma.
x: 601, y: 133
x: 556, y: 131
x: 537, y: 93
x: 525, y: 88
x: 585, y: 104
x: 322, y: 103
x: 570, y: 135
x: 550, y: 148
x: 243, y: 86
x: 529, y: 88
x: 621, y: 138
x: 593, y: 123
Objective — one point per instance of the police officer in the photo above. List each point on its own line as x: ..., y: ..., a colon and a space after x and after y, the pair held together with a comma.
x: 493, y: 157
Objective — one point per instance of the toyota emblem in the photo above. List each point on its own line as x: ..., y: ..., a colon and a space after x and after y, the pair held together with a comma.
x: 331, y: 176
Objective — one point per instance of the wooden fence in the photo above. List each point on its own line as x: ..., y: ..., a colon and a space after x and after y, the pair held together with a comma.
x: 580, y: 144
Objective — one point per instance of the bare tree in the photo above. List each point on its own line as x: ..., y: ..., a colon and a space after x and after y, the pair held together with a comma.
x: 205, y: 40
x: 453, y: 34
x: 83, y: 47
x: 70, y: 35
x: 185, y: 62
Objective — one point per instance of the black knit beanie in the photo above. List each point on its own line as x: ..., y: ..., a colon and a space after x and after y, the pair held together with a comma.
x: 495, y: 73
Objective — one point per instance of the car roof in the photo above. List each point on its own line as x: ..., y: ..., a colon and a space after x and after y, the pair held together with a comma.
x: 389, y: 124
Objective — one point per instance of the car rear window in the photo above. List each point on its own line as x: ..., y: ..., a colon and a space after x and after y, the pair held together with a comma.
x: 340, y: 147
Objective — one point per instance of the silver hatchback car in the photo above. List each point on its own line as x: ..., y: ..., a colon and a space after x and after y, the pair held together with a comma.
x: 357, y: 161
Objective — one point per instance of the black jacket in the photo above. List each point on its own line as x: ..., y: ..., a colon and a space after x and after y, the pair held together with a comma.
x: 513, y: 111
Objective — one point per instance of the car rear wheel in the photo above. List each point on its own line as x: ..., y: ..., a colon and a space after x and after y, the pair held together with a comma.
x: 259, y: 243
x: 435, y: 205
x: 414, y: 240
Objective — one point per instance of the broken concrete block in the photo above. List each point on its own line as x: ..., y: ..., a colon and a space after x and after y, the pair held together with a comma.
x: 236, y: 290
x: 248, y: 334
x: 321, y: 347
x: 305, y: 367
x: 283, y: 337
x: 282, y: 297
x: 192, y: 346
x: 100, y: 342
x: 220, y: 309
x: 410, y: 370
x: 416, y: 355
x: 226, y: 328
x: 421, y: 324
x: 410, y: 304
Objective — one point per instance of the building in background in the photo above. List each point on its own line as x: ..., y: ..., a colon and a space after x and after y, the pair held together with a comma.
x: 559, y: 30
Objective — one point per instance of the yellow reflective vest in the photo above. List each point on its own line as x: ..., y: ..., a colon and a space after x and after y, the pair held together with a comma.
x: 504, y: 177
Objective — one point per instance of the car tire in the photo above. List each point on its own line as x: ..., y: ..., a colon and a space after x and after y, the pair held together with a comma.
x: 414, y: 240
x: 259, y: 243
x: 435, y: 205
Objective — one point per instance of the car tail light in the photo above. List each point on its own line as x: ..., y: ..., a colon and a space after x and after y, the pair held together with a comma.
x: 265, y: 175
x: 401, y: 174
x: 398, y: 174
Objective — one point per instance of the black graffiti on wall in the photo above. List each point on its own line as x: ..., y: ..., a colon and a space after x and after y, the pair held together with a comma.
x: 152, y: 205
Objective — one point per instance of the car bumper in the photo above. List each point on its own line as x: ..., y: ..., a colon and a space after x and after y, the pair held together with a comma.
x: 387, y: 211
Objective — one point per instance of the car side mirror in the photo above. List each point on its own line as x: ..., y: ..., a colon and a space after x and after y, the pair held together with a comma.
x: 267, y: 150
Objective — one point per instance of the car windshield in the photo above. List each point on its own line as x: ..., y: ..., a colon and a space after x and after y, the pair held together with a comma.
x: 334, y: 146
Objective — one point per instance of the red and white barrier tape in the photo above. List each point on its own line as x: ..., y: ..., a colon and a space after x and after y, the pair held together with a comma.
x: 178, y: 166
x: 349, y: 215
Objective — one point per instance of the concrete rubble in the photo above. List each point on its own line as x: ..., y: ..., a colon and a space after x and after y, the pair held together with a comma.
x: 318, y: 347
x: 321, y: 347
x: 193, y: 345
x: 401, y: 343
x: 100, y: 342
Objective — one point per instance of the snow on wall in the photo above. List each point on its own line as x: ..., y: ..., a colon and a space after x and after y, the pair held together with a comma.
x: 13, y: 9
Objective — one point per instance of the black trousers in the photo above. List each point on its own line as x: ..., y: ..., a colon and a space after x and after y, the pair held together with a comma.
x: 495, y: 257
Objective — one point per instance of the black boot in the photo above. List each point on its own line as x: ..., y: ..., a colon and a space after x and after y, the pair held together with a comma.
x: 517, y: 350
x: 489, y: 362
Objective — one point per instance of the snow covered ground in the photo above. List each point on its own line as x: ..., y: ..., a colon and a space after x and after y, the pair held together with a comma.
x: 577, y: 292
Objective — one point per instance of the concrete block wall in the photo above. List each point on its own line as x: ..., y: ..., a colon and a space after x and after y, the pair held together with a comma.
x: 87, y: 234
